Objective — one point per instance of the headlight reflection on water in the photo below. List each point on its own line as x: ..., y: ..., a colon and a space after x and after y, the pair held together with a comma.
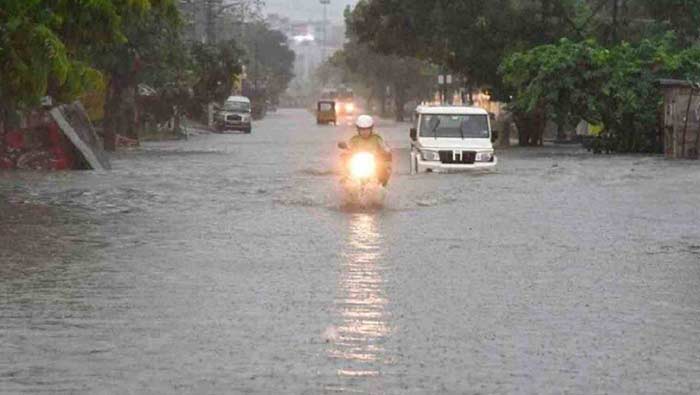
x: 361, y: 303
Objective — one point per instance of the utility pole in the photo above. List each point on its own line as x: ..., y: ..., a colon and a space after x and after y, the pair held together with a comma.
x: 257, y: 63
x: 325, y: 22
x: 210, y: 21
x: 615, y: 21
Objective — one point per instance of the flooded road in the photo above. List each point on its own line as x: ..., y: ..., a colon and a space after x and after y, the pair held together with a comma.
x: 225, y: 264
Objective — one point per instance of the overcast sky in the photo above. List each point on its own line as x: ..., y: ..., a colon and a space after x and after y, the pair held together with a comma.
x: 303, y: 10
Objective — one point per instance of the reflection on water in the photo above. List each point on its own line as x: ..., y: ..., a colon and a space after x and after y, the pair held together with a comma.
x: 362, y: 319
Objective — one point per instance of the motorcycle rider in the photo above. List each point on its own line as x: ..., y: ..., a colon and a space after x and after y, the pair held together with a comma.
x: 367, y: 140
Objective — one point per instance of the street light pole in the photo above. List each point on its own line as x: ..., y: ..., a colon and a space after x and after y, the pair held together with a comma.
x: 325, y: 22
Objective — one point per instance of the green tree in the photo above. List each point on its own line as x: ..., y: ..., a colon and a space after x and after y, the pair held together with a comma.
x: 615, y: 86
x: 468, y: 37
x: 556, y: 80
x: 147, y: 45
x: 62, y: 47
x: 472, y: 38
x: 39, y: 49
x: 403, y: 78
x: 270, y: 62
x: 216, y: 68
x: 679, y: 16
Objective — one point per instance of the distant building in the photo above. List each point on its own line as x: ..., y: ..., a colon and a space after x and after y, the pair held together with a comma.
x: 280, y: 23
x: 194, y: 17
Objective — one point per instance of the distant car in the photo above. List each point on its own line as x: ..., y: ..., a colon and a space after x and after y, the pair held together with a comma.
x: 451, y: 138
x: 234, y: 114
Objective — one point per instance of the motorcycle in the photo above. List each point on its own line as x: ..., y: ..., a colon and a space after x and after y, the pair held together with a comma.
x: 360, y: 177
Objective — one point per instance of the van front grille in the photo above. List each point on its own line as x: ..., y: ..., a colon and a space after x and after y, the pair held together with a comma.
x: 458, y: 157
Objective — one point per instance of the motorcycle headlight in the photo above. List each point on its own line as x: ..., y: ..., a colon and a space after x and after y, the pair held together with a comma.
x: 484, y: 157
x: 362, y: 165
x: 432, y: 156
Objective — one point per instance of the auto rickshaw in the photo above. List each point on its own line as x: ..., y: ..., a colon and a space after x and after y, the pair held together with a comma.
x: 325, y: 112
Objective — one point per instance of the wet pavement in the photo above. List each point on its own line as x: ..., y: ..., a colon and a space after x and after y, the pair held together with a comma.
x: 225, y: 264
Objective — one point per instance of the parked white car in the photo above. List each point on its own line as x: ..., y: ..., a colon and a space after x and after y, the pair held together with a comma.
x: 451, y: 138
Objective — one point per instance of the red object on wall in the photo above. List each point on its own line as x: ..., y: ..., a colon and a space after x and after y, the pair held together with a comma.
x: 59, y: 160
x: 55, y: 134
x: 6, y: 163
x: 14, y: 140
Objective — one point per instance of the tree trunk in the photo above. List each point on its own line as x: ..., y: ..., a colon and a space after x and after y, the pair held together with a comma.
x: 382, y: 106
x: 504, y: 138
x: 136, y: 126
x: 506, y: 129
x: 561, y: 132
x: 614, y: 21
x: 540, y: 123
x: 2, y: 123
x: 525, y: 129
x: 399, y: 102
x: 112, y: 111
x: 530, y: 128
x: 177, y: 124
x: 119, y: 112
x: 399, y: 110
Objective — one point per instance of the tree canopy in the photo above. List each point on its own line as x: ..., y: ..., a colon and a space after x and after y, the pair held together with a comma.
x: 269, y: 61
x: 557, y: 60
x: 472, y: 37
x: 402, y: 78
x: 64, y: 48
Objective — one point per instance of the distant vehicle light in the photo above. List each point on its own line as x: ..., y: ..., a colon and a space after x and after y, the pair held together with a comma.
x: 304, y: 38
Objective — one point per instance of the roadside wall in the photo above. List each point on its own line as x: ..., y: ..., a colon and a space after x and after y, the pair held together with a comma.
x: 38, y: 144
x: 59, y: 139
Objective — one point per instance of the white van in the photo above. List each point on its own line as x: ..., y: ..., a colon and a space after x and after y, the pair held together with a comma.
x: 451, y: 138
x: 234, y: 114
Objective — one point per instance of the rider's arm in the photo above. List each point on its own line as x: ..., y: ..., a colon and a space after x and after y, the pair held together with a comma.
x: 383, y: 145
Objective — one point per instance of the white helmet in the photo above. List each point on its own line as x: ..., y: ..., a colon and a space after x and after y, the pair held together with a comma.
x: 364, y: 122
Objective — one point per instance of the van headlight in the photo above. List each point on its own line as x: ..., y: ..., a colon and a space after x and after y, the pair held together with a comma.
x: 484, y: 156
x: 430, y: 156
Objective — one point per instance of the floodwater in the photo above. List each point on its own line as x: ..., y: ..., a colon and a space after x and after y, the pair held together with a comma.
x: 225, y: 264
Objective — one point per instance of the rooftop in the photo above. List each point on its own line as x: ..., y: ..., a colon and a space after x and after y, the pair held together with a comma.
x: 460, y: 110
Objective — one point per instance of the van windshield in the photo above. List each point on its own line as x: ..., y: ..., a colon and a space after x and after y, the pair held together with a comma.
x: 236, y: 106
x: 454, y: 126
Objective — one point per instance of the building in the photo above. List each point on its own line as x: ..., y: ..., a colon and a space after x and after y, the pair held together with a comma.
x: 681, y: 124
